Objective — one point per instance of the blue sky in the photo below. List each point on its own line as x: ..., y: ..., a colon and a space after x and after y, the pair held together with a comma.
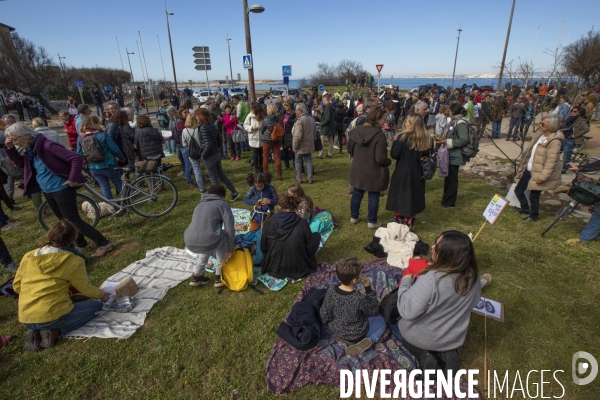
x: 408, y: 37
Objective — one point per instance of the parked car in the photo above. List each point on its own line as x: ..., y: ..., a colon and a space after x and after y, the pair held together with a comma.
x: 283, y: 92
x: 428, y: 87
x: 237, y: 91
x: 202, y: 95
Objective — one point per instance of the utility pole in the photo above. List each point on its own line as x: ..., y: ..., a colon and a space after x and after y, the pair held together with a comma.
x: 161, y: 59
x: 147, y: 76
x: 171, y: 46
x: 229, y: 50
x: 505, y: 46
x: 251, y: 94
x: 456, y: 56
x: 128, y: 59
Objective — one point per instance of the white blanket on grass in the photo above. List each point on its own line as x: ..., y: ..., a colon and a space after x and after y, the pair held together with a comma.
x: 161, y: 270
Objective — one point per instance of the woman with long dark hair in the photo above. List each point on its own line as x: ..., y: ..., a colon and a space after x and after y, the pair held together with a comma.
x: 435, y: 308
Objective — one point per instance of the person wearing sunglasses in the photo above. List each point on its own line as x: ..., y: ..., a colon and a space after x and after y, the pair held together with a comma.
x: 575, y: 127
x: 540, y: 167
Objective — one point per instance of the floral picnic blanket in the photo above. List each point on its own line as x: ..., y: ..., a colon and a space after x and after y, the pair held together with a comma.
x: 290, y: 369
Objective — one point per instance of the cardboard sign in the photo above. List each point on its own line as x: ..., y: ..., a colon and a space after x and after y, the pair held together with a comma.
x: 490, y: 308
x: 495, y: 208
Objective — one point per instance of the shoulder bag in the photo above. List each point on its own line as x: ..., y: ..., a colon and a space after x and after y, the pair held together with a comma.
x: 428, y: 165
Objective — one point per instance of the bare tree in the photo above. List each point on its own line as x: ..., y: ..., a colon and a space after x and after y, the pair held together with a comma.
x: 582, y: 58
x: 25, y: 68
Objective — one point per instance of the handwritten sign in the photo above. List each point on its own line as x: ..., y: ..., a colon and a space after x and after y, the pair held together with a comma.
x: 495, y: 208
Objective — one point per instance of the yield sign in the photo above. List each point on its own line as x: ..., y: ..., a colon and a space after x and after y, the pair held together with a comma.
x: 379, y: 67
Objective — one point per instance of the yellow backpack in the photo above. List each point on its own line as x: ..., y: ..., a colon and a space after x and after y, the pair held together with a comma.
x: 236, y: 274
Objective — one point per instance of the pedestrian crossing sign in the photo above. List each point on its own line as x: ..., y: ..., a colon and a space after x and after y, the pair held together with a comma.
x: 247, y: 60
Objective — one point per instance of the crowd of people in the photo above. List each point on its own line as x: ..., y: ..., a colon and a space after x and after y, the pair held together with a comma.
x: 376, y: 129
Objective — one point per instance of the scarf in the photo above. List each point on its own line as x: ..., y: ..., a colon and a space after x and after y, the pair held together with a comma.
x: 30, y: 150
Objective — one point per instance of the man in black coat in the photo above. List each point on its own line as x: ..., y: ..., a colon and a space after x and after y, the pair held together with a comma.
x: 98, y: 101
x: 118, y: 97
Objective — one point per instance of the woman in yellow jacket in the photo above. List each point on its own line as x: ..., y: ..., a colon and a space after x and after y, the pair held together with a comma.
x: 43, y: 280
x: 540, y: 168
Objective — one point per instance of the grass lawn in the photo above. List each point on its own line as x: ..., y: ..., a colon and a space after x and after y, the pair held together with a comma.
x: 198, y: 344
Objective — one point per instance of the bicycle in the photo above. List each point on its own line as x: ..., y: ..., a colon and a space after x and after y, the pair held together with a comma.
x: 583, y: 191
x: 150, y: 195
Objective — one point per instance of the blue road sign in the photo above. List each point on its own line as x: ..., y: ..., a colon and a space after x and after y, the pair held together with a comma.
x: 322, y: 88
x: 286, y: 70
x: 247, y: 61
x: 286, y: 80
x: 79, y: 83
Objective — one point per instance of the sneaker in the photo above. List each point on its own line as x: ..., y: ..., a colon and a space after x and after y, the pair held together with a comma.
x: 8, y: 226
x: 237, y: 159
x: 309, y: 181
x: 234, y: 196
x: 49, y: 337
x: 529, y: 219
x: 190, y: 185
x: 570, y: 241
x: 232, y: 159
x: 354, y: 221
x: 199, y: 280
x: 485, y: 280
x: 218, y: 282
x: 336, y: 147
x: 32, y: 340
x: 522, y: 210
x: 374, y: 225
x: 102, y: 250
x: 359, y: 347
x: 180, y: 174
x: 12, y: 267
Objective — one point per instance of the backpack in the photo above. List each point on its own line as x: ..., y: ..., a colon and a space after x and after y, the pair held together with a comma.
x: 163, y: 121
x: 470, y: 149
x: 245, y: 111
x: 194, y: 149
x: 91, y: 149
x: 236, y: 273
x: 277, y: 132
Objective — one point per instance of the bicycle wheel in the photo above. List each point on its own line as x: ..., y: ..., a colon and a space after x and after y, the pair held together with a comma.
x: 563, y: 213
x: 152, y: 195
x: 89, y: 213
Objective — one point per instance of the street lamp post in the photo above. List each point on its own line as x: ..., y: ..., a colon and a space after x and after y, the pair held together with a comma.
x: 130, y: 70
x: 512, y: 10
x: 229, y: 50
x: 255, y: 8
x: 455, y: 57
x: 171, y: 46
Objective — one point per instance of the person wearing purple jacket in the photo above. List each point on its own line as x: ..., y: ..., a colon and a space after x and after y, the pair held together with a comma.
x: 50, y: 168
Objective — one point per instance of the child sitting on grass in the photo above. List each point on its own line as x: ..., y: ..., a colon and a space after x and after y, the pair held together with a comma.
x: 306, y: 209
x: 205, y: 235
x: 352, y: 316
x: 263, y: 196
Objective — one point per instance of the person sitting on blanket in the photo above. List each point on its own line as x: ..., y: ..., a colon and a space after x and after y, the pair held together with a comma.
x: 263, y: 196
x: 43, y: 280
x: 435, y: 309
x: 352, y: 316
x: 306, y: 207
x: 288, y: 243
x: 205, y: 235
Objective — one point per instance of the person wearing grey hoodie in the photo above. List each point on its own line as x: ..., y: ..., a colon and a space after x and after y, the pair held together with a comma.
x: 205, y: 235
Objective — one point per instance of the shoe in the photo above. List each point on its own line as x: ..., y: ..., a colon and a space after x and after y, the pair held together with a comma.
x: 12, y: 267
x: 190, y: 185
x: 529, y: 219
x: 336, y: 147
x: 508, y: 138
x: 199, y: 280
x: 8, y: 226
x: 180, y: 174
x: 16, y: 208
x: 102, y: 250
x: 329, y: 156
x: 485, y: 280
x: 234, y: 196
x: 203, y: 191
x: 232, y: 159
x: 32, y: 340
x: 49, y: 338
x: 218, y: 282
x: 450, y: 360
x: 373, y: 225
x: 354, y: 220
x: 522, y: 210
x: 309, y: 181
x: 237, y: 159
x: 5, y: 339
x: 570, y: 241
x: 359, y: 347
x: 320, y: 157
x: 443, y: 206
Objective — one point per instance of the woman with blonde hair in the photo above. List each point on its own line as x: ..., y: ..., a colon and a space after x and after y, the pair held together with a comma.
x: 407, y: 187
x: 268, y: 144
x: 39, y: 126
x: 190, y: 132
